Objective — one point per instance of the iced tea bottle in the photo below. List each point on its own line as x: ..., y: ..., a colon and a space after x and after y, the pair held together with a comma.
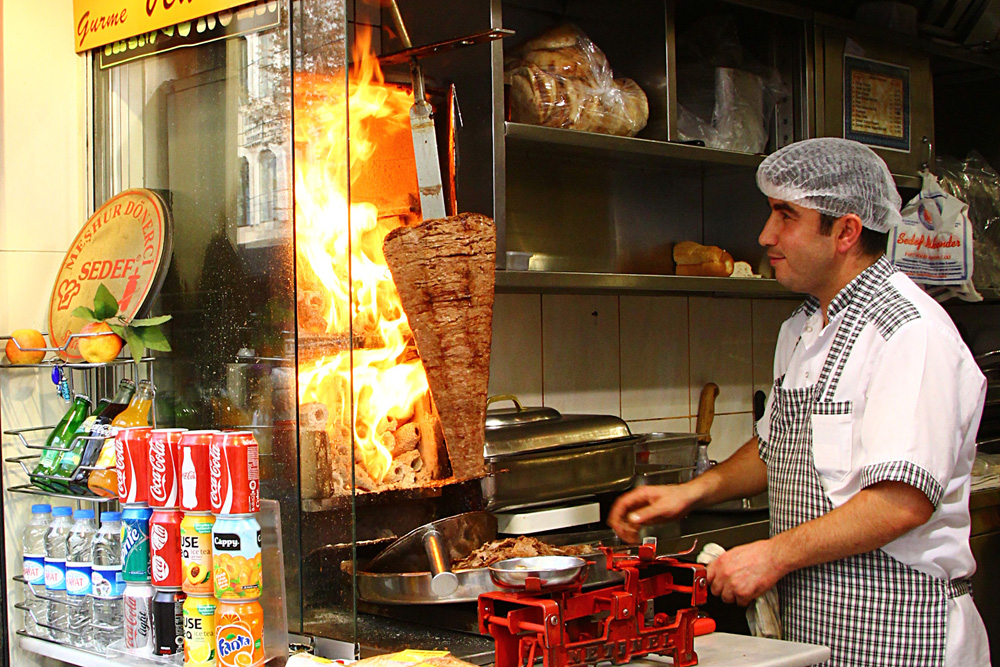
x: 101, y: 427
x: 104, y: 480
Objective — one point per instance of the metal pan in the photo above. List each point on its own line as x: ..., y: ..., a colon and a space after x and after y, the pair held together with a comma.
x: 401, y: 573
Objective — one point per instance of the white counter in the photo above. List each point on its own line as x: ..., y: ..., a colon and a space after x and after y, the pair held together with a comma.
x: 721, y: 649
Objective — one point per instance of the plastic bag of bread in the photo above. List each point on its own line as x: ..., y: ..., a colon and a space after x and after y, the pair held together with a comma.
x: 561, y: 79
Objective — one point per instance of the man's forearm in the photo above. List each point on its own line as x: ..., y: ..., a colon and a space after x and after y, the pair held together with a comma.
x: 871, y: 519
x: 740, y: 476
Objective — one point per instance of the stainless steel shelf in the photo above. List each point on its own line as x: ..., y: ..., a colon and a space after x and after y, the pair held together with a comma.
x: 591, y: 144
x: 598, y: 145
x: 554, y: 282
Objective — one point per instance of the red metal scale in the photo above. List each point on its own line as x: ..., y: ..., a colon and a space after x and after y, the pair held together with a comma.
x: 571, y: 628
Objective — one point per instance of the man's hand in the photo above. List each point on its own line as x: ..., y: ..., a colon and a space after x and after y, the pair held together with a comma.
x: 648, y: 504
x: 744, y: 573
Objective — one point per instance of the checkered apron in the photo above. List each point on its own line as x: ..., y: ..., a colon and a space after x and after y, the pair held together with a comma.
x: 870, y: 609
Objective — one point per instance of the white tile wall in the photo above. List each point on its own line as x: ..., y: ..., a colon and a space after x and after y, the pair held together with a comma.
x: 516, y: 355
x: 729, y: 433
x: 645, y: 359
x: 654, y: 357
x: 675, y: 425
x: 580, y: 354
x: 721, y: 352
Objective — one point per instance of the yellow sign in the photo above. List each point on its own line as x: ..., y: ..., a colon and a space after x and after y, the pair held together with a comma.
x: 100, y: 22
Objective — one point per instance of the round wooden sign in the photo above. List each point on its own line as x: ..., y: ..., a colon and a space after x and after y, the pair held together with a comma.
x: 126, y: 247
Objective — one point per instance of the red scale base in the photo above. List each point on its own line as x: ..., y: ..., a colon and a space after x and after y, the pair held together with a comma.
x: 567, y: 627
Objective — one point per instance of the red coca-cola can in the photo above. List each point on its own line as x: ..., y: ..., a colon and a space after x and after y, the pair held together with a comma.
x: 132, y: 464
x: 165, y: 467
x: 234, y: 472
x: 165, y: 548
x: 195, y: 481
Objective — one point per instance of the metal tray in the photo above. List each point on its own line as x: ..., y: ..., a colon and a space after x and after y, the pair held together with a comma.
x: 415, y: 587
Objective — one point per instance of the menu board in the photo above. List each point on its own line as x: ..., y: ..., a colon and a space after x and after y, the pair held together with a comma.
x: 877, y: 103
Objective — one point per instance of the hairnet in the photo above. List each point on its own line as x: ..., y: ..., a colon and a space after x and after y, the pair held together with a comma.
x: 835, y: 177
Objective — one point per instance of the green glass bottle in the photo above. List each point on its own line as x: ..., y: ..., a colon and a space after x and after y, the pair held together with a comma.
x: 59, y: 440
x: 69, y: 461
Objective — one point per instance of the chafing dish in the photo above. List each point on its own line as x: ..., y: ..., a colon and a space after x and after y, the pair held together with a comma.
x: 575, y: 455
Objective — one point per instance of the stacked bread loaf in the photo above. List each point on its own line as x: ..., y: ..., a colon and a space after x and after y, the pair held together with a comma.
x: 561, y: 79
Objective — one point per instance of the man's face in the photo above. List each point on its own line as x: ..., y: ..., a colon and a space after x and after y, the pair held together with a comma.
x: 801, y: 255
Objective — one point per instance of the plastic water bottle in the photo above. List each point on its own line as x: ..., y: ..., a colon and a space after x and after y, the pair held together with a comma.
x: 108, y: 586
x: 33, y: 544
x: 79, y: 548
x: 55, y: 571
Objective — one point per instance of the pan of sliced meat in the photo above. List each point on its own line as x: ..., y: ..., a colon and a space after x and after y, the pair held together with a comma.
x: 409, y: 571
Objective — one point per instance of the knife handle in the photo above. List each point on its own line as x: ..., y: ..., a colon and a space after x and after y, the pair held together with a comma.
x: 706, y: 412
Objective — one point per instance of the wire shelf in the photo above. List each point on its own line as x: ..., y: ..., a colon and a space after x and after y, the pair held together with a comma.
x: 35, y: 491
x: 43, y: 596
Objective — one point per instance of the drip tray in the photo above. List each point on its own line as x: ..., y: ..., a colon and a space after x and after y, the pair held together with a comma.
x: 538, y: 520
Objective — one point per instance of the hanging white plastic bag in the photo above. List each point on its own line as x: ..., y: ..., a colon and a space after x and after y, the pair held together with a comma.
x: 933, y: 243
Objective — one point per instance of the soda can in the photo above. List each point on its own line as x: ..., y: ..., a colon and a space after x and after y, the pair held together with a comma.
x: 138, y: 602
x: 236, y: 567
x: 165, y: 467
x: 199, y: 631
x: 234, y: 473
x: 132, y: 464
x: 239, y: 630
x: 168, y: 620
x: 196, y: 553
x: 165, y: 548
x: 195, y: 481
x: 135, y: 544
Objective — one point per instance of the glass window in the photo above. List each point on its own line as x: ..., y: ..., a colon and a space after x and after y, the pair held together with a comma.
x: 268, y: 183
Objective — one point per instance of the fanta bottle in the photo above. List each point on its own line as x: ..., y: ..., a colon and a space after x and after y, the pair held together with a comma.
x: 104, y: 480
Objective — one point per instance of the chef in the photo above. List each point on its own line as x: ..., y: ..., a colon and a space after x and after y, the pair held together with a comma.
x: 867, y: 439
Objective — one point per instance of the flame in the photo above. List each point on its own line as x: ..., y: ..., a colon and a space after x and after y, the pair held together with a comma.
x: 329, y: 227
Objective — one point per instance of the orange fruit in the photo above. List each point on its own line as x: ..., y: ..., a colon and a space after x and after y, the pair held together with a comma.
x: 99, y: 349
x: 17, y: 353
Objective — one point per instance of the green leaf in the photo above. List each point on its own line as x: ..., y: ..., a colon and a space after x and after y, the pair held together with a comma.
x: 135, y: 345
x: 105, y: 304
x: 151, y: 321
x: 84, y: 313
x: 118, y: 329
x: 153, y: 338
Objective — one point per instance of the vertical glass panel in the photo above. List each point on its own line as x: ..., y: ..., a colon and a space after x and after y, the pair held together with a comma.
x: 193, y: 125
x: 324, y: 315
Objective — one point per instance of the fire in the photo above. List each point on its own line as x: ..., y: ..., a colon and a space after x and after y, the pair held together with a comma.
x: 388, y: 379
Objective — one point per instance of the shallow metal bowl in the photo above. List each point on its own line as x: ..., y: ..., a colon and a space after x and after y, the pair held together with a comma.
x: 550, y: 570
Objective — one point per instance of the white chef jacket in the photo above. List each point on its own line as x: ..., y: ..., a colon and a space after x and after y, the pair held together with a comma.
x: 917, y: 399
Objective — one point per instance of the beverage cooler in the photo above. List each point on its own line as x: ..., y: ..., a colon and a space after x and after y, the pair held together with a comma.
x: 283, y: 152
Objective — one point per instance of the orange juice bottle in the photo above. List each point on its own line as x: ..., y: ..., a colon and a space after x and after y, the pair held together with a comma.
x: 104, y: 480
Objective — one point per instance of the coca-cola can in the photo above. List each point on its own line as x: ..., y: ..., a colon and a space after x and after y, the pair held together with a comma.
x: 168, y: 621
x: 234, y: 473
x: 195, y: 481
x: 132, y: 464
x: 165, y: 467
x: 165, y: 548
x: 138, y: 603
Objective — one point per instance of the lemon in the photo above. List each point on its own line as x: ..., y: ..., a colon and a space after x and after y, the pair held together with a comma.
x: 202, y: 653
